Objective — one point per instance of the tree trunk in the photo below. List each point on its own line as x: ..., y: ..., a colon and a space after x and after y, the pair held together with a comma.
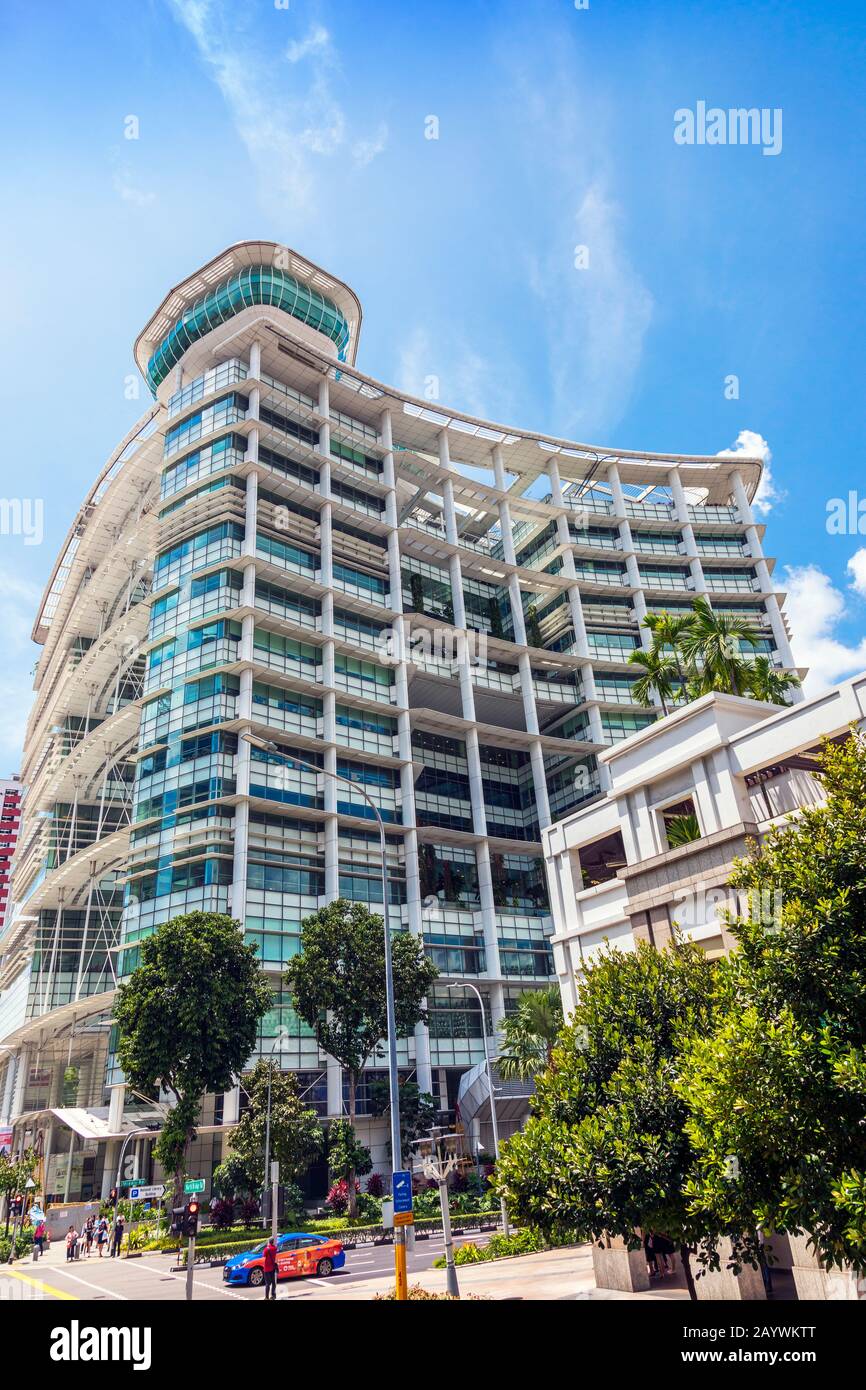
x: 685, y: 1254
x: 350, y: 1180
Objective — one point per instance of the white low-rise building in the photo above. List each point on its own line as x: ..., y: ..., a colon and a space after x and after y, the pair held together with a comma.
x: 721, y: 768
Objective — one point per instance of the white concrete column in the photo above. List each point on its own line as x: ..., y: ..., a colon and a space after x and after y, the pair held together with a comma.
x: 681, y: 508
x: 21, y: 1076
x: 231, y: 1105
x: 335, y: 1088
x: 116, y: 1099
x: 768, y: 594
x: 8, y: 1088
x: 255, y: 363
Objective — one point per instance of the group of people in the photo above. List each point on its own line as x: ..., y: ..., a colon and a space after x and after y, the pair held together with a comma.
x: 659, y: 1251
x: 95, y: 1232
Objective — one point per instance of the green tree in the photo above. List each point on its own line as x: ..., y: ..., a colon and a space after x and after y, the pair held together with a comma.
x: 296, y: 1137
x: 668, y: 630
x: 776, y: 1092
x: 337, y: 981
x: 348, y: 1158
x: 188, y: 1019
x: 605, y: 1150
x: 711, y: 644
x: 14, y: 1174
x: 657, y: 675
x: 682, y: 830
x: 527, y: 1036
x: 233, y: 1178
x: 766, y: 682
x: 418, y: 1110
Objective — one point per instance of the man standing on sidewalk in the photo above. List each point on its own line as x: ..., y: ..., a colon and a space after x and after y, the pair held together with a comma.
x: 117, y: 1236
x: 269, y: 1258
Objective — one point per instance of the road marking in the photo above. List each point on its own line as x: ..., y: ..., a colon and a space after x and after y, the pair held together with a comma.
x: 200, y: 1283
x: 38, y: 1284
x: 100, y: 1288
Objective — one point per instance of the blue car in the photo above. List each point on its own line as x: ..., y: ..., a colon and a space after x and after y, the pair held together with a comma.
x: 298, y: 1253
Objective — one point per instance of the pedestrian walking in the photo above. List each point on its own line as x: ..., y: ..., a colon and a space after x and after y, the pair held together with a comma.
x: 269, y: 1256
x: 118, y: 1236
x: 39, y: 1236
x: 102, y: 1237
x: 71, y: 1242
x: 89, y: 1232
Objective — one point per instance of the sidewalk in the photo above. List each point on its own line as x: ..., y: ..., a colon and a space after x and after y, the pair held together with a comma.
x: 554, y: 1275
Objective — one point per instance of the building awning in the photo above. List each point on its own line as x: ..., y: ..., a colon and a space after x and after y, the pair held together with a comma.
x: 93, y: 1124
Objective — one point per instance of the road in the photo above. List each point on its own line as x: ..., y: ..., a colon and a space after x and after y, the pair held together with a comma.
x: 151, y: 1277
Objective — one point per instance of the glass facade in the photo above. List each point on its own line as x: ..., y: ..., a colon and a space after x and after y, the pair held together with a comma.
x: 288, y: 557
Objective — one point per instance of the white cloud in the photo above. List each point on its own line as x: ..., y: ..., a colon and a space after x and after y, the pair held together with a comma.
x: 127, y: 190
x: 20, y: 600
x: 815, y: 608
x: 365, y: 151
x: 460, y: 377
x: 753, y: 445
x: 318, y: 40
x: 282, y: 105
x: 857, y: 570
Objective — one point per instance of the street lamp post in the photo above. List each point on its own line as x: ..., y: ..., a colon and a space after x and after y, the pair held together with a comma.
x: 465, y: 984
x: 292, y: 760
x: 266, y: 1179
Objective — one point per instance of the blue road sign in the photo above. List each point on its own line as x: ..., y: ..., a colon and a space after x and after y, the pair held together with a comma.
x: 401, y: 1187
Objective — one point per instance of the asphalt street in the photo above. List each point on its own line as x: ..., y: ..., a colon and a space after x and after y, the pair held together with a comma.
x: 152, y: 1278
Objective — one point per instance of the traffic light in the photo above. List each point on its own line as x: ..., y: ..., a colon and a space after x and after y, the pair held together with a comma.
x: 16, y: 1205
x: 178, y: 1215
x: 190, y: 1218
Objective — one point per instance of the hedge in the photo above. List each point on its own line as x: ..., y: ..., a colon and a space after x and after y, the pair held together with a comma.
x: 362, y: 1235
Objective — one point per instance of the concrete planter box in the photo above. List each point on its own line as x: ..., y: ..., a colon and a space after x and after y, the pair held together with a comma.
x: 811, y: 1280
x: 621, y: 1269
x: 724, y: 1286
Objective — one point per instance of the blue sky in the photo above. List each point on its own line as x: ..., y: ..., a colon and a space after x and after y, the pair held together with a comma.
x: 307, y: 125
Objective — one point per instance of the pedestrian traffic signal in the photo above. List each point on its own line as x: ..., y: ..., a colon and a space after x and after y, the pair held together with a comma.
x: 190, y: 1218
x: 178, y: 1217
x: 16, y: 1205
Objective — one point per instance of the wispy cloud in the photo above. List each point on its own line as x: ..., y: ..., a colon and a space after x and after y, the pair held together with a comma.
x: 365, y: 151
x: 127, y: 189
x: 282, y: 103
x: 753, y: 445
x: 596, y: 305
x: 454, y: 375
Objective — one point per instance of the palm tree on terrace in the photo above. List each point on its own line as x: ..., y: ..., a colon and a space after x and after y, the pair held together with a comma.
x: 658, y: 674
x: 667, y: 630
x: 711, y: 645
x: 529, y: 1034
x: 766, y: 682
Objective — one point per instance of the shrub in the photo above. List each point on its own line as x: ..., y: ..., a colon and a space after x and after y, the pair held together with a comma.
x: 250, y: 1209
x: 222, y: 1214
x: 527, y: 1242
x: 338, y: 1197
x: 417, y: 1294
x: 376, y: 1185
x: 426, y: 1203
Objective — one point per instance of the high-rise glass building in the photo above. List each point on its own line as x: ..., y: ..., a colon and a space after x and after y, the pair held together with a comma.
x: 438, y: 608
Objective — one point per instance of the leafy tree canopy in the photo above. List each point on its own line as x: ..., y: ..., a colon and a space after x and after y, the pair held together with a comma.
x: 296, y: 1136
x: 605, y: 1150
x: 776, y: 1093
x: 188, y: 1018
